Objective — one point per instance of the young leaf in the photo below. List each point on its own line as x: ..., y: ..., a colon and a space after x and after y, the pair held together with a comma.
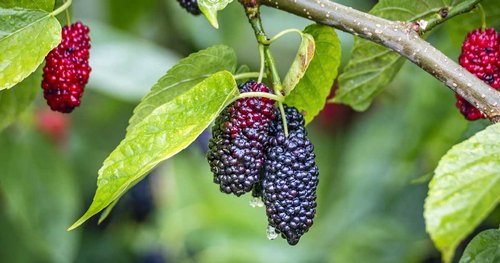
x: 185, y: 74
x: 314, y: 87
x: 46, y: 5
x: 484, y: 248
x: 13, y: 102
x: 372, y: 67
x: 464, y: 189
x: 26, y: 36
x: 299, y: 66
x: 161, y: 134
x: 210, y: 8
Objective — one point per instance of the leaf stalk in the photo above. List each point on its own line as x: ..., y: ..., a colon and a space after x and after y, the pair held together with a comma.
x: 61, y: 8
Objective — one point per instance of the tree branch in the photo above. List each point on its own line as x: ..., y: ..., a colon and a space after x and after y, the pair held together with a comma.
x: 403, y: 38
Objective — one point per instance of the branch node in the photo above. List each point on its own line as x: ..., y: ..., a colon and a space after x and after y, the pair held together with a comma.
x: 495, y: 119
x: 443, y: 12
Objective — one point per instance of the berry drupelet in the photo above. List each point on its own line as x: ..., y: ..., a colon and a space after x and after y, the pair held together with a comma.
x: 290, y: 178
x: 481, y: 57
x: 191, y: 6
x: 67, y: 69
x: 239, y: 137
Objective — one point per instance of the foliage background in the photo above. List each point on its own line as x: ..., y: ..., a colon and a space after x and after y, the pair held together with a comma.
x: 374, y: 165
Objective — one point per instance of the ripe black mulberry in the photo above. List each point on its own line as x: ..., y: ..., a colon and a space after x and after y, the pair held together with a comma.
x: 67, y: 69
x: 290, y: 177
x: 191, y: 6
x: 239, y: 137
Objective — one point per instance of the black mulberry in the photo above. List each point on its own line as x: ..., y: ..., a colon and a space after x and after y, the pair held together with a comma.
x: 290, y: 178
x: 239, y: 137
x: 191, y: 6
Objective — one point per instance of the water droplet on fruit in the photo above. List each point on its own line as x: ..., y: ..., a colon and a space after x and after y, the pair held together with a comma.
x: 256, y: 202
x: 271, y: 233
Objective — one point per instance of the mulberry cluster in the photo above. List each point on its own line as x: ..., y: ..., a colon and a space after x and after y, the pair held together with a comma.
x: 480, y: 56
x: 290, y: 178
x: 239, y: 137
x: 67, y: 69
x: 191, y: 6
x: 249, y: 151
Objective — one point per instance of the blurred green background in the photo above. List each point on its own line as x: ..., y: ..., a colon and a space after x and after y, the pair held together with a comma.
x: 374, y: 166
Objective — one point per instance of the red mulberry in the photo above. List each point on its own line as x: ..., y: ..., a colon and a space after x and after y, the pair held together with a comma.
x: 481, y: 57
x: 239, y: 137
x: 67, y: 69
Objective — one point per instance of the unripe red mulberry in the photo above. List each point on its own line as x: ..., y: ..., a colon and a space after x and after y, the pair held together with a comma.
x: 290, y: 178
x: 67, y: 69
x: 481, y: 57
x: 191, y: 6
x: 239, y: 137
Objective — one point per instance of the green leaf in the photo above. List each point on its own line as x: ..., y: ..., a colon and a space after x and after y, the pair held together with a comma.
x: 484, y: 248
x: 161, y: 134
x: 314, y: 87
x: 464, y: 190
x: 26, y: 36
x: 13, y: 102
x: 46, y: 5
x: 184, y: 75
x: 300, y: 64
x: 210, y: 8
x: 372, y: 67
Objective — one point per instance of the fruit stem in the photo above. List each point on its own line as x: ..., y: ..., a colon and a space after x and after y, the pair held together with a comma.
x: 483, y: 16
x: 260, y: 94
x: 284, y: 32
x: 61, y: 8
x: 272, y: 71
x: 262, y: 63
x: 249, y: 75
x: 252, y: 10
x: 253, y: 14
x: 283, y: 118
x: 68, y: 19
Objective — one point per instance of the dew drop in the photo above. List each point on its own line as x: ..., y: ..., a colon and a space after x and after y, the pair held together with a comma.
x: 256, y: 202
x: 271, y: 233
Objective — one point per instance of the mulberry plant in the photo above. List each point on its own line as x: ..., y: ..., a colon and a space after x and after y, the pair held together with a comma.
x: 259, y: 142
